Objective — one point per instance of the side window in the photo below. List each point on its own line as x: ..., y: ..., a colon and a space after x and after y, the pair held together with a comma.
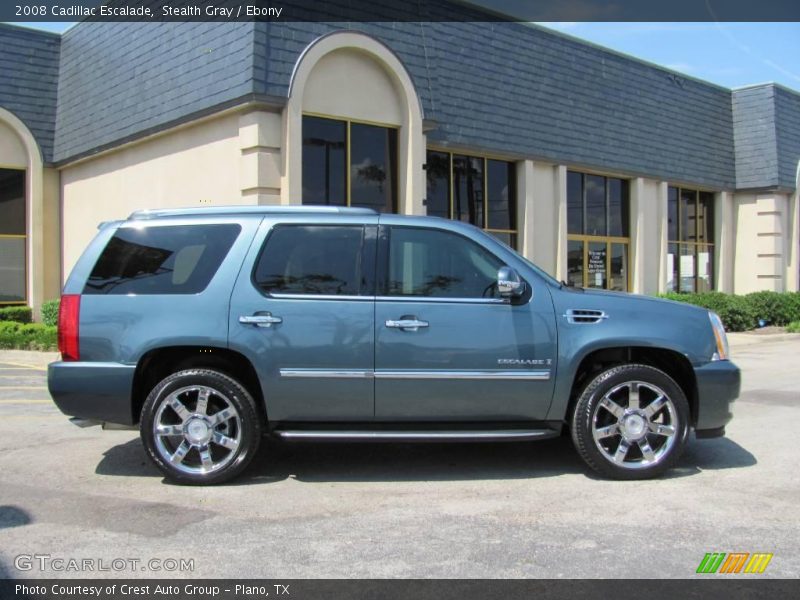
x: 313, y: 260
x: 161, y: 260
x: 439, y: 264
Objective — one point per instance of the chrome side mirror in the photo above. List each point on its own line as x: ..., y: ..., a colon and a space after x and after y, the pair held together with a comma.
x: 509, y: 283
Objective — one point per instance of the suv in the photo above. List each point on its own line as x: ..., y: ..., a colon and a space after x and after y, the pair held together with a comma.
x: 209, y: 328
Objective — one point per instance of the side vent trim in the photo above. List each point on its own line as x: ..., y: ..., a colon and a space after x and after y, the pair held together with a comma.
x: 585, y: 316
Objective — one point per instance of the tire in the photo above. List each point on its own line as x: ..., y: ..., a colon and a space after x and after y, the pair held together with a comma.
x: 193, y: 443
x: 631, y: 422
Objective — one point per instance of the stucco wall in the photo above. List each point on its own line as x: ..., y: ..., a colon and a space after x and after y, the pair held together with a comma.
x: 192, y: 166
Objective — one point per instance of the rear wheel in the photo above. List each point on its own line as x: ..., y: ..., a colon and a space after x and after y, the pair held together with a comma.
x: 200, y: 427
x: 631, y: 422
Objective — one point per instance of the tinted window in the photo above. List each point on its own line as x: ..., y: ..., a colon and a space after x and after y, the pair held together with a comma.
x: 574, y: 203
x: 437, y: 171
x: 595, y: 205
x: 373, y: 167
x: 468, y: 189
x: 424, y: 262
x: 312, y: 260
x: 324, y: 161
x: 501, y: 183
x: 161, y: 260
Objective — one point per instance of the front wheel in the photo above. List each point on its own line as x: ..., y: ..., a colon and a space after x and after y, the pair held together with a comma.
x: 631, y: 422
x: 200, y: 427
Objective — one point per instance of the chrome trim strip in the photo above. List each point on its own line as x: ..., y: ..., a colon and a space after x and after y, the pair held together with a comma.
x: 542, y: 375
x: 327, y: 373
x: 320, y: 297
x: 516, y: 434
x: 442, y: 300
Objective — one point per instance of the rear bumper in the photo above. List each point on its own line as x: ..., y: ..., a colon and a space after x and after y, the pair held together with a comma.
x: 93, y: 390
x: 718, y: 385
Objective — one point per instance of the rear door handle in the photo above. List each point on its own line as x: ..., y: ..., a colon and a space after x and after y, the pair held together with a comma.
x: 260, y: 320
x: 411, y: 324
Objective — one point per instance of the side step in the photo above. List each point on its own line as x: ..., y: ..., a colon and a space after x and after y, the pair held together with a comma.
x: 498, y: 435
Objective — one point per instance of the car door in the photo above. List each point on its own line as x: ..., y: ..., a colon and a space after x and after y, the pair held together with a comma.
x: 303, y: 313
x: 448, y: 348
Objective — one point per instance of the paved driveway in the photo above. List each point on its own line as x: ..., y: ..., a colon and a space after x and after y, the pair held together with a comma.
x: 432, y: 510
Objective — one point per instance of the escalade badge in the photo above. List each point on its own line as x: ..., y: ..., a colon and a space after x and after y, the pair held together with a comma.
x: 525, y: 362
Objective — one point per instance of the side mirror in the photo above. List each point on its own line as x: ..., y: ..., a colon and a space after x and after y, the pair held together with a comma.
x: 509, y: 283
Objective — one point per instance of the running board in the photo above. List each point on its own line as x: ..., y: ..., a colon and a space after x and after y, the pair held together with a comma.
x: 499, y: 435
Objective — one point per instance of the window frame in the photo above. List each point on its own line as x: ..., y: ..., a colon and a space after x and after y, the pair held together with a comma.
x: 586, y: 239
x: 348, y: 121
x: 485, y: 157
x: 382, y: 271
x: 367, y: 266
x: 692, y: 241
x: 24, y: 238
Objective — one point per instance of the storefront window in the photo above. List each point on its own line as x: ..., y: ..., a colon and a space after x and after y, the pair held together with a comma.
x: 598, y: 231
x: 690, y: 252
x: 347, y: 163
x: 13, y: 240
x: 473, y: 189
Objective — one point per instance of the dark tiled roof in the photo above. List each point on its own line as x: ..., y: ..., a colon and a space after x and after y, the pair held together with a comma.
x: 29, y: 80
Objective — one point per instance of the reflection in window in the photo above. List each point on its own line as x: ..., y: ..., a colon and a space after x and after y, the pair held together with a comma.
x: 318, y: 260
x: 477, y: 190
x: 370, y: 178
x: 690, y: 251
x: 440, y: 264
x: 13, y: 239
x: 598, y: 222
x: 161, y: 260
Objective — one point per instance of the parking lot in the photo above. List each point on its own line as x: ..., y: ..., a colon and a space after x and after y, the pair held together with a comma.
x: 385, y: 510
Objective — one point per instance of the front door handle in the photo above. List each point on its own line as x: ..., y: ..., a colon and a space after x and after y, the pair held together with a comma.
x: 260, y: 320
x: 407, y: 324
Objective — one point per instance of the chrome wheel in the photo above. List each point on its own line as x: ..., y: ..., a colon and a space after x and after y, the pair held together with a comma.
x: 197, y: 430
x: 634, y: 425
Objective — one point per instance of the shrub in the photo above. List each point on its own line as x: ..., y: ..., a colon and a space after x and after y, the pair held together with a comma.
x: 17, y: 314
x: 50, y: 312
x: 735, y: 311
x: 28, y: 336
x: 793, y: 327
x: 774, y: 307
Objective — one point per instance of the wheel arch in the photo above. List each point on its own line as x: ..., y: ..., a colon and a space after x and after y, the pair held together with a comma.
x: 158, y: 363
x: 671, y: 362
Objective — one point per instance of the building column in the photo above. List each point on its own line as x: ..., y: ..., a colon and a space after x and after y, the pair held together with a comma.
x: 260, y: 162
x: 525, y: 209
x: 793, y: 241
x: 662, y: 208
x: 561, y: 222
x: 724, y: 236
x: 636, y: 261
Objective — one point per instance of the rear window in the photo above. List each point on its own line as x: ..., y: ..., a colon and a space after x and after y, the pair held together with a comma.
x: 161, y: 260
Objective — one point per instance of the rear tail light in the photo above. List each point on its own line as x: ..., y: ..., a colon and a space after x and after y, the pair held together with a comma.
x: 69, y: 315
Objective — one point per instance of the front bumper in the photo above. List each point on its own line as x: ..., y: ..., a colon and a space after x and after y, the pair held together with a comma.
x: 718, y: 385
x: 93, y: 390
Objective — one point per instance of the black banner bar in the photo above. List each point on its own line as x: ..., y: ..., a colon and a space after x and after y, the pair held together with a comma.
x: 398, y: 10
x: 703, y: 587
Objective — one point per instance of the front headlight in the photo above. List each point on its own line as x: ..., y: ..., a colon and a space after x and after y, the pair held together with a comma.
x: 723, y: 352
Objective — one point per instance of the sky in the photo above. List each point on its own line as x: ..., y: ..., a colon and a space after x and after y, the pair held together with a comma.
x: 728, y: 54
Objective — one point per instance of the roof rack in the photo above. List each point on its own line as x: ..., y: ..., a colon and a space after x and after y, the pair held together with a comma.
x: 247, y: 210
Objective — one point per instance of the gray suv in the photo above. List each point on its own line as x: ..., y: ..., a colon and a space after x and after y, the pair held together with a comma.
x: 209, y: 328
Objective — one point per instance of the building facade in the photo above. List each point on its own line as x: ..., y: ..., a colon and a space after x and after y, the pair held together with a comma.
x: 604, y: 170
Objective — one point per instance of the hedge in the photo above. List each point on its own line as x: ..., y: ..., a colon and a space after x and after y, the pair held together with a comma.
x: 50, y: 312
x: 793, y: 327
x: 741, y: 313
x: 28, y: 336
x: 17, y: 314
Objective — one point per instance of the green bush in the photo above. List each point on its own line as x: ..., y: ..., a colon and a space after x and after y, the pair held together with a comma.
x: 50, y: 312
x: 793, y: 327
x: 28, y: 336
x: 736, y: 312
x: 17, y: 314
x: 775, y: 308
